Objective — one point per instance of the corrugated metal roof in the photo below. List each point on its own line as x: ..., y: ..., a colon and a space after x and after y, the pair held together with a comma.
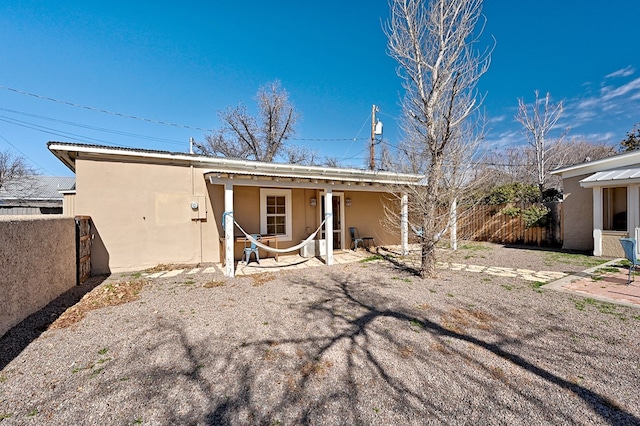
x: 37, y: 188
x: 613, y: 175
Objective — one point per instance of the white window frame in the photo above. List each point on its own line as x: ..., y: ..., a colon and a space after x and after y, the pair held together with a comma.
x: 268, y: 192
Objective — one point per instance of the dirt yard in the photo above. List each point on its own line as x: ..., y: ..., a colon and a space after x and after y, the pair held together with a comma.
x: 362, y: 343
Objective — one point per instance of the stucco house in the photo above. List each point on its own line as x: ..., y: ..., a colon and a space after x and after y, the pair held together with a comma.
x: 151, y: 207
x: 601, y: 203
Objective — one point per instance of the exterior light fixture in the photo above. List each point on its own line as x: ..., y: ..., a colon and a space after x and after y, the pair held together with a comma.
x: 348, y: 202
x: 313, y: 202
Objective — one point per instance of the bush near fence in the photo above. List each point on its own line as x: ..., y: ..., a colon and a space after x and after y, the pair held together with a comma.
x: 490, y: 223
x: 37, y: 264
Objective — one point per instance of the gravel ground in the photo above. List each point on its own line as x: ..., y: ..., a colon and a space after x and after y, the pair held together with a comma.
x: 364, y: 343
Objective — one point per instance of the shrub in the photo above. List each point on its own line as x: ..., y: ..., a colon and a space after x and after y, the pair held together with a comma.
x: 535, y: 215
x: 511, y: 211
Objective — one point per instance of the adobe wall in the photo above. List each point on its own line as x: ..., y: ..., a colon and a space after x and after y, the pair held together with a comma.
x: 142, y: 215
x: 37, y: 264
x: 577, y: 215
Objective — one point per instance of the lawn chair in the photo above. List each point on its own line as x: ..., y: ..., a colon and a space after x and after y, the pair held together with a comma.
x: 629, y: 246
x: 356, y: 238
x: 250, y: 247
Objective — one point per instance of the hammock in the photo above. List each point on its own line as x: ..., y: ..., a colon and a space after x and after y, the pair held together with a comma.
x: 284, y: 250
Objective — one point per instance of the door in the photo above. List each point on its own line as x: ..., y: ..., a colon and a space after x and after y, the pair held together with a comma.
x: 338, y: 219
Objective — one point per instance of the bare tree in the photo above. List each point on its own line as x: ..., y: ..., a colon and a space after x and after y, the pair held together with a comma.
x: 260, y: 138
x: 537, y: 125
x: 434, y: 45
x: 13, y: 168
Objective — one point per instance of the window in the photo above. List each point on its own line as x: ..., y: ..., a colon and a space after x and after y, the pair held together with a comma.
x: 275, y: 213
x: 614, y: 209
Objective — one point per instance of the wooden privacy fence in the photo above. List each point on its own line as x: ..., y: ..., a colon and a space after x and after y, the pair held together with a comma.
x: 83, y: 248
x: 489, y: 223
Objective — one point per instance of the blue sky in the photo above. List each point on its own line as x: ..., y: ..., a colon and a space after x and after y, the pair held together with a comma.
x: 181, y: 63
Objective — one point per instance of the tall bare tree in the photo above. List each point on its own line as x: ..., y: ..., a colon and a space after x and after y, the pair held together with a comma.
x: 434, y: 45
x: 13, y: 168
x: 537, y: 124
x: 260, y: 138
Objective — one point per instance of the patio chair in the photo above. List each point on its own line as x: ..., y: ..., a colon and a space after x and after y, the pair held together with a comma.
x: 629, y: 247
x: 356, y: 238
x: 250, y: 247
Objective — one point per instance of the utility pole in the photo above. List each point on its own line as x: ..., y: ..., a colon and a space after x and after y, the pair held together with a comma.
x: 376, y: 129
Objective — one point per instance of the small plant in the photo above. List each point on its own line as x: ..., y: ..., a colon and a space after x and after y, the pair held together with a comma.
x: 3, y: 378
x: 5, y: 416
x: 138, y: 421
x: 103, y: 351
x: 536, y: 286
x: 507, y: 287
x: 371, y: 258
x: 136, y: 275
x: 450, y: 295
x: 33, y: 412
x: 189, y: 282
x: 415, y: 324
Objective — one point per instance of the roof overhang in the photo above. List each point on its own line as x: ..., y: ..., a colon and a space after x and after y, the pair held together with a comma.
x: 228, y: 168
x: 628, y: 159
x: 615, y: 177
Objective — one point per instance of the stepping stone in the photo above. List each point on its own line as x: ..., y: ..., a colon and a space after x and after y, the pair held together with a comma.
x: 173, y: 273
x: 193, y: 271
x: 155, y: 275
x: 210, y: 270
x: 475, y: 268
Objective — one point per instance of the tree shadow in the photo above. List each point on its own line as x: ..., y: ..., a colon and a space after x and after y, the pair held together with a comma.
x: 350, y: 338
x: 13, y: 342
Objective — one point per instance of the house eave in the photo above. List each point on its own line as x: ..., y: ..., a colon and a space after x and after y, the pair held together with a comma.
x: 617, y: 161
x: 68, y: 153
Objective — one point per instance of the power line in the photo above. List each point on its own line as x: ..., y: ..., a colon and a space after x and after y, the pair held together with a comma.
x: 23, y: 154
x: 86, y: 126
x: 90, y: 108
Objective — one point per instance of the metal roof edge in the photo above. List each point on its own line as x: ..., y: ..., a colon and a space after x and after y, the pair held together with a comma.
x: 227, y: 165
x: 620, y: 160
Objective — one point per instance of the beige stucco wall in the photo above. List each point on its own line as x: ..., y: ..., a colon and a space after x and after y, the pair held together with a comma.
x: 37, y: 264
x: 142, y: 215
x: 367, y: 214
x: 577, y: 215
x: 611, y: 246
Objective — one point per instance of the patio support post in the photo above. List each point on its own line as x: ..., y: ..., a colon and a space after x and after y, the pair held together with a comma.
x: 229, y: 255
x: 597, y: 221
x: 454, y: 224
x: 404, y: 223
x: 328, y: 225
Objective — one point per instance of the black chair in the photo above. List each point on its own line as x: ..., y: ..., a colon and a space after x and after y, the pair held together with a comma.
x: 356, y: 238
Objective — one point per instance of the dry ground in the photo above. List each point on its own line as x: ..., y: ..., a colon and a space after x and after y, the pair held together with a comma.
x: 365, y: 343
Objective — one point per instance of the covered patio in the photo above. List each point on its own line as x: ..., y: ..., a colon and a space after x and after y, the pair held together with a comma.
x: 300, y: 205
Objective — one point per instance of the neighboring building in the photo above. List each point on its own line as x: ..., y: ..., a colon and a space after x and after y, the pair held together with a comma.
x: 152, y: 207
x: 34, y: 195
x: 601, y: 203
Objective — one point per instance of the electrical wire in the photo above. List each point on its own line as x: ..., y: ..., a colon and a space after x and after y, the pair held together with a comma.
x: 23, y: 154
x: 90, y: 108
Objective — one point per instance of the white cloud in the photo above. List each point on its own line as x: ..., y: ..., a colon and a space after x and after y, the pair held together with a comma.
x: 624, y: 72
x: 622, y: 90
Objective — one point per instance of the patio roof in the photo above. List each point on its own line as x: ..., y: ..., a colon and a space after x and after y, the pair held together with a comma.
x: 615, y: 176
